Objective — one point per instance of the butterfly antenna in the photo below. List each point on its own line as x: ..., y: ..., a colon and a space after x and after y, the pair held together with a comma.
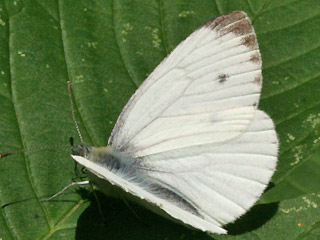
x: 73, y: 114
x: 2, y: 155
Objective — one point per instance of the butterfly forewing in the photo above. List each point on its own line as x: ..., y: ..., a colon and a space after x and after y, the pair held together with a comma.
x: 210, y: 83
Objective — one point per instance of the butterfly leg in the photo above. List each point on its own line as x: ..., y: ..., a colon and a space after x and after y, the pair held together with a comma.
x: 98, y: 203
x: 64, y: 189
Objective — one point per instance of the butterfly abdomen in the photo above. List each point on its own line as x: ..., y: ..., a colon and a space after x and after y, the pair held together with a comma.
x: 134, y: 170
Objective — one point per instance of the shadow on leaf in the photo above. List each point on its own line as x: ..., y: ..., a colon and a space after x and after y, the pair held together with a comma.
x: 254, y: 219
x: 122, y: 223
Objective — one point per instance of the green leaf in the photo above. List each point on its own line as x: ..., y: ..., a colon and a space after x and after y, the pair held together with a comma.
x: 304, y: 179
x: 106, y: 49
x: 297, y: 218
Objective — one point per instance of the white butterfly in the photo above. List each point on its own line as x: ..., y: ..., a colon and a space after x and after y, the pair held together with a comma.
x: 191, y: 139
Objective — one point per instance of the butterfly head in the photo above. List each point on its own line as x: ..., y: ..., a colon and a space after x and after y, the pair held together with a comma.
x: 82, y: 150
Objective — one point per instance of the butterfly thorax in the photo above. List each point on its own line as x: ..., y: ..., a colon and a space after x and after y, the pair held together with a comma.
x: 108, y: 157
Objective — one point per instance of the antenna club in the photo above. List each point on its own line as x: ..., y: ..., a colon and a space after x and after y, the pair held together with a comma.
x: 2, y: 155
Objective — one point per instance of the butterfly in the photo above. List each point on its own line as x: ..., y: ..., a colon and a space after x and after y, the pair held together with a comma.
x: 191, y: 143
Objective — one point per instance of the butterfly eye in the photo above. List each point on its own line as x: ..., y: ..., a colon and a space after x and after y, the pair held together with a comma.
x: 81, y: 150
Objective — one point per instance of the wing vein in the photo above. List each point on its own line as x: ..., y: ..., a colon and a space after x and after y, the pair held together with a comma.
x: 183, y: 136
x: 222, y: 195
x: 222, y: 89
x: 222, y: 99
x: 240, y: 177
x: 174, y: 66
x: 216, y: 53
x: 168, y: 106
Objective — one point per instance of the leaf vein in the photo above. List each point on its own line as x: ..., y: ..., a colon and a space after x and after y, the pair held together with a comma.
x: 28, y: 171
x: 280, y: 6
x: 68, y: 74
x: 62, y: 220
x: 136, y: 84
x: 56, y: 20
x: 292, y: 58
x: 218, y: 8
x: 165, y: 45
x: 296, y: 114
x: 288, y: 26
x: 250, y: 6
x: 260, y: 11
x: 7, y: 225
x: 289, y: 89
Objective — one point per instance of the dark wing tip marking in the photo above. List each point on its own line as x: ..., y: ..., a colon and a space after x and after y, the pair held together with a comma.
x: 237, y: 23
x: 240, y: 28
x: 255, y: 58
x: 258, y: 80
x: 224, y: 20
x: 250, y: 41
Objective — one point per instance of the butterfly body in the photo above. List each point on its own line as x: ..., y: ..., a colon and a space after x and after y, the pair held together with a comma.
x: 132, y: 170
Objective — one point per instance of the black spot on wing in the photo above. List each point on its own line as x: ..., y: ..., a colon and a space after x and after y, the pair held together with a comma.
x: 222, y: 78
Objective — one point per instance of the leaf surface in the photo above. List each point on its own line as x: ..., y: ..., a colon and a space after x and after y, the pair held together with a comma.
x: 106, y: 49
